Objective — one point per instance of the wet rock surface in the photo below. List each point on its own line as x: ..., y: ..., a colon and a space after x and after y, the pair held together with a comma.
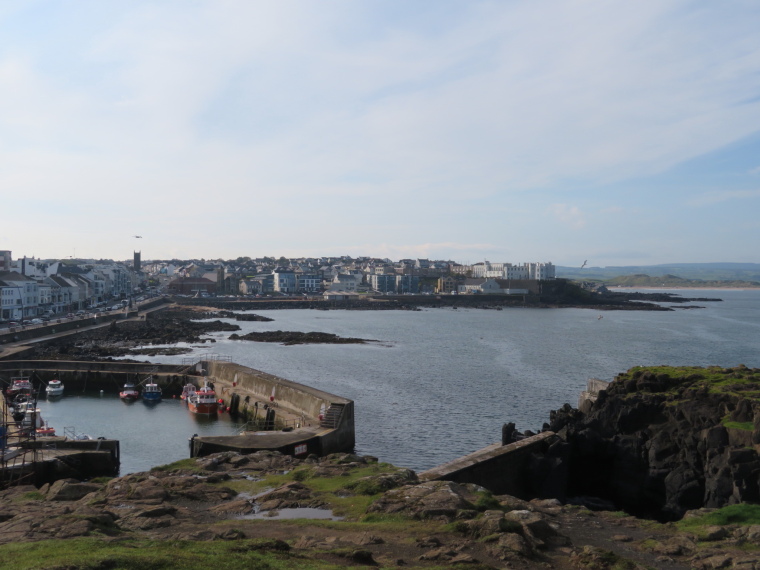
x: 294, y: 337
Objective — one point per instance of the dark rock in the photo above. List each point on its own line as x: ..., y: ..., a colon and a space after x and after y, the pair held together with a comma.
x: 656, y: 446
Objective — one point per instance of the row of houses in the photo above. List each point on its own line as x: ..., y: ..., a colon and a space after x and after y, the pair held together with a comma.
x: 526, y: 271
x: 30, y: 288
x: 290, y: 282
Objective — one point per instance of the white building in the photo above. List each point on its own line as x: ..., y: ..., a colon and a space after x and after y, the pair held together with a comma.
x: 20, y: 296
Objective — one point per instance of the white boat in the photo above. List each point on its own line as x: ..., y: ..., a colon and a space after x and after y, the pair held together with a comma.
x: 187, y: 391
x: 33, y: 422
x: 54, y: 388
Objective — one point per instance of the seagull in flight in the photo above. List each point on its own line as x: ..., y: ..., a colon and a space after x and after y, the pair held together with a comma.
x: 584, y: 264
x: 137, y: 237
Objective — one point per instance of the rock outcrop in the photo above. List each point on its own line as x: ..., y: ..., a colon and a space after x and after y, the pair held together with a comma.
x: 660, y: 441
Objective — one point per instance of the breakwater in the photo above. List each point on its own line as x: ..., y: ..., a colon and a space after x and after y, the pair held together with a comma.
x: 316, y: 421
x: 109, y: 376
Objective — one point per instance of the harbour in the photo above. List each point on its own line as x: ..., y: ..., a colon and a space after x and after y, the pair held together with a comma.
x: 438, y: 385
x: 295, y: 419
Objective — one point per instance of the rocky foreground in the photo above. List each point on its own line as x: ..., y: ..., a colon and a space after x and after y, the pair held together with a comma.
x: 382, y: 516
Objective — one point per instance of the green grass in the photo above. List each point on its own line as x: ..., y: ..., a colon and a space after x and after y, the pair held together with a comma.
x: 347, y: 496
x: 742, y: 514
x: 744, y: 426
x: 487, y: 502
x: 31, y: 496
x: 183, y: 465
x: 739, y: 381
x: 89, y: 553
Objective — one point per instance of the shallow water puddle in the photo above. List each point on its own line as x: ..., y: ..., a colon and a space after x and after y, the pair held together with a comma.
x: 299, y: 513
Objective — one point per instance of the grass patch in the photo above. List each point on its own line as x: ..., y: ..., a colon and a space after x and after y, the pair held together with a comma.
x: 744, y: 426
x: 189, y: 464
x: 88, y: 553
x: 487, y: 502
x: 739, y: 381
x: 30, y: 496
x: 383, y: 518
x: 743, y: 514
x: 101, y: 480
x: 347, y: 496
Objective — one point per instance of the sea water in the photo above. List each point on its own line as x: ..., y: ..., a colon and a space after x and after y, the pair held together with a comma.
x: 437, y: 384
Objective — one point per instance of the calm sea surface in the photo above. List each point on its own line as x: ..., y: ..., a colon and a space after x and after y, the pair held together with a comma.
x: 438, y: 383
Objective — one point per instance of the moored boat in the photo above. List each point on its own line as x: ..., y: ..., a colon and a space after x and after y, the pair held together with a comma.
x: 129, y: 393
x: 54, y: 388
x: 187, y: 390
x: 151, y: 392
x: 203, y: 401
x: 20, y: 385
x: 45, y: 430
x: 32, y: 420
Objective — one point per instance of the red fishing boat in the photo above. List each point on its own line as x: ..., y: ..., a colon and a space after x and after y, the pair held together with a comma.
x: 129, y: 393
x: 20, y: 385
x: 203, y: 401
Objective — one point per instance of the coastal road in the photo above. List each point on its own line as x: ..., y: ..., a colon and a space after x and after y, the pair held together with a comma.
x: 9, y: 349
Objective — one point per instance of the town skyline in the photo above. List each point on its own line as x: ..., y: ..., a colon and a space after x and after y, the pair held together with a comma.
x: 621, y: 134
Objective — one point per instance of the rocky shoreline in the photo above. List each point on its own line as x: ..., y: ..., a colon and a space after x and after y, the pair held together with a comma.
x: 168, y: 326
x: 661, y: 441
x: 294, y: 337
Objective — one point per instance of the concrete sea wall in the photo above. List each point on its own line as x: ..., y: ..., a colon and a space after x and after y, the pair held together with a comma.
x: 245, y: 390
x: 499, y: 468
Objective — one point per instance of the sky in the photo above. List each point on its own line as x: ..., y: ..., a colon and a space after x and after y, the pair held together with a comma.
x: 622, y: 133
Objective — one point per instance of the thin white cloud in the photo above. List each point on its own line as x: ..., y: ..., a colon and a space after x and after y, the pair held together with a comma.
x: 570, y: 216
x: 710, y: 198
x: 176, y: 110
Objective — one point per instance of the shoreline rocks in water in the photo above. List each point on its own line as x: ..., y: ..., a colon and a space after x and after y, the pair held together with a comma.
x: 247, y: 317
x: 126, y: 338
x: 293, y: 337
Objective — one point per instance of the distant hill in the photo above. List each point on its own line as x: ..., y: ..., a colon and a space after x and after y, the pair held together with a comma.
x: 639, y: 280
x: 712, y: 274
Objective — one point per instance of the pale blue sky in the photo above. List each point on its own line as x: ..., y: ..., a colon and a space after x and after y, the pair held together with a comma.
x: 619, y: 132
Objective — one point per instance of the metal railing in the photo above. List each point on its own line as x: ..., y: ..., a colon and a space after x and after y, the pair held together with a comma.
x: 209, y: 357
x: 260, y: 424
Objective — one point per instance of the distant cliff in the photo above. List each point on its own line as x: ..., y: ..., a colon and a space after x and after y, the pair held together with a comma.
x: 661, y: 440
x: 691, y: 271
